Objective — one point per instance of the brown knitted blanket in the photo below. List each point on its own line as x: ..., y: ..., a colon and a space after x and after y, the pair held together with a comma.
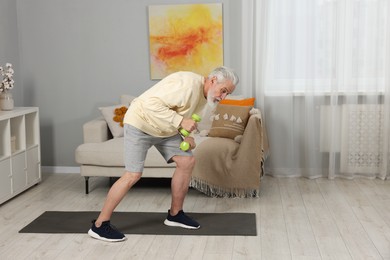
x: 225, y: 168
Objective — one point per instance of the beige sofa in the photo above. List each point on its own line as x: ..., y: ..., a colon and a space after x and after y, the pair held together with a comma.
x: 101, y: 155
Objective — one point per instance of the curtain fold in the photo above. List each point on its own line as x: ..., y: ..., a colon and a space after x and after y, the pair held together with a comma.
x: 320, y: 72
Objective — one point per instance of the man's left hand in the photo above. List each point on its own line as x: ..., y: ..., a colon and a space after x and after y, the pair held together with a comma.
x: 191, y: 141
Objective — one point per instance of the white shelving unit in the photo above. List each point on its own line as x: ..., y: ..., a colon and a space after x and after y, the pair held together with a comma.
x: 20, y: 151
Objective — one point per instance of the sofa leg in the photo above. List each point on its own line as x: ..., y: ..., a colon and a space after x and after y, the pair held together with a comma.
x: 86, y: 184
x: 113, y: 180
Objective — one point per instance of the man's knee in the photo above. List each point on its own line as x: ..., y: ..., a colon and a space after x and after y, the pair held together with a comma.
x: 130, y: 178
x: 184, y: 162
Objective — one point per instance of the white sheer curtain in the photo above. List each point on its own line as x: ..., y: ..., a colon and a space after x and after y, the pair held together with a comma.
x: 320, y: 72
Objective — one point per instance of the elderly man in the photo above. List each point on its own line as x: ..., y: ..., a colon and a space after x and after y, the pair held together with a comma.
x: 154, y: 118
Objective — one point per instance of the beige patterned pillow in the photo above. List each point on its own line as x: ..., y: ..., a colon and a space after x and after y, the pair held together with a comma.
x: 229, y: 121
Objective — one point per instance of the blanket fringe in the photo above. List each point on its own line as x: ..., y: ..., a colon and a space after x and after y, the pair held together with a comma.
x: 222, y: 192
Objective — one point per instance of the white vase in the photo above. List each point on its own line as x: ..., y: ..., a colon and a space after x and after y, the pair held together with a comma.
x: 6, y: 101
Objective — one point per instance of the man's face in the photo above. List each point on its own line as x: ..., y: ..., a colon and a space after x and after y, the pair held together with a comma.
x: 219, y: 91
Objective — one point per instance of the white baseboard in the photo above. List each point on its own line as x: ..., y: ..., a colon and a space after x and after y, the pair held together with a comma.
x: 60, y: 169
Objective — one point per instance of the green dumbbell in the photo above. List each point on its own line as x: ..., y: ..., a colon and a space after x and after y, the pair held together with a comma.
x: 185, y: 145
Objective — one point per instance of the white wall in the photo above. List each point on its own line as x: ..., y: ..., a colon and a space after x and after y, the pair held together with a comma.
x: 78, y: 55
x: 9, y: 45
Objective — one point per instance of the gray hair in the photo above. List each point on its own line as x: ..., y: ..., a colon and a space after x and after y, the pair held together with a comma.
x: 224, y: 73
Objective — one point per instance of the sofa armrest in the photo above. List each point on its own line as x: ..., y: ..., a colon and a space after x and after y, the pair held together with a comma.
x: 254, y: 146
x: 255, y: 137
x: 96, y: 131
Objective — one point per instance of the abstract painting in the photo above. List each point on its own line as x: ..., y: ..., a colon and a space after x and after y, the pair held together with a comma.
x: 185, y: 37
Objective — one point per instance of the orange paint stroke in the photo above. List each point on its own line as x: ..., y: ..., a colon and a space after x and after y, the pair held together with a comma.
x: 180, y: 45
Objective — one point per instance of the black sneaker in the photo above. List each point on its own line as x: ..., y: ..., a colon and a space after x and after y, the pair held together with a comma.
x: 181, y: 220
x: 106, y: 232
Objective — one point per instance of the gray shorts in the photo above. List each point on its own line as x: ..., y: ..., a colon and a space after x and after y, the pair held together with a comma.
x: 137, y: 144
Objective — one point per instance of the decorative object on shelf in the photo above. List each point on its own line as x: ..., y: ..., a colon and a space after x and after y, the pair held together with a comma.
x: 7, y: 83
x: 6, y: 101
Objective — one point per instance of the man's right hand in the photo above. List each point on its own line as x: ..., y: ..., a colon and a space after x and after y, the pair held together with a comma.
x: 188, y: 124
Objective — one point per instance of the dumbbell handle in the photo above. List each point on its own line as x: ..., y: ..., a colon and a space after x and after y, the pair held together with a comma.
x: 185, y: 145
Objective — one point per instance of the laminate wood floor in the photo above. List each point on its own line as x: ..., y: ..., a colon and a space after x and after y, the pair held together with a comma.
x: 297, y: 218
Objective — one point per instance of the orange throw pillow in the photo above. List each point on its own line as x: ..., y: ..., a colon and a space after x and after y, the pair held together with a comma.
x: 240, y: 102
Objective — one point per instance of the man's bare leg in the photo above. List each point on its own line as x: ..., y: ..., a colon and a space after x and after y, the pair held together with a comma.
x: 116, y: 194
x: 180, y: 181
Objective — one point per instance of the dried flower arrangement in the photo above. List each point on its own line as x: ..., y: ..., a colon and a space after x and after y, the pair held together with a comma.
x: 7, y: 81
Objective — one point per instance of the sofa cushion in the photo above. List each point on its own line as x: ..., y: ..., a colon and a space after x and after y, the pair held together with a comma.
x: 110, y: 153
x: 126, y: 99
x: 208, y: 112
x: 229, y: 121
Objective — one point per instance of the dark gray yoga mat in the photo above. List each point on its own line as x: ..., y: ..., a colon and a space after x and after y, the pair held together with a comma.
x: 148, y: 223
